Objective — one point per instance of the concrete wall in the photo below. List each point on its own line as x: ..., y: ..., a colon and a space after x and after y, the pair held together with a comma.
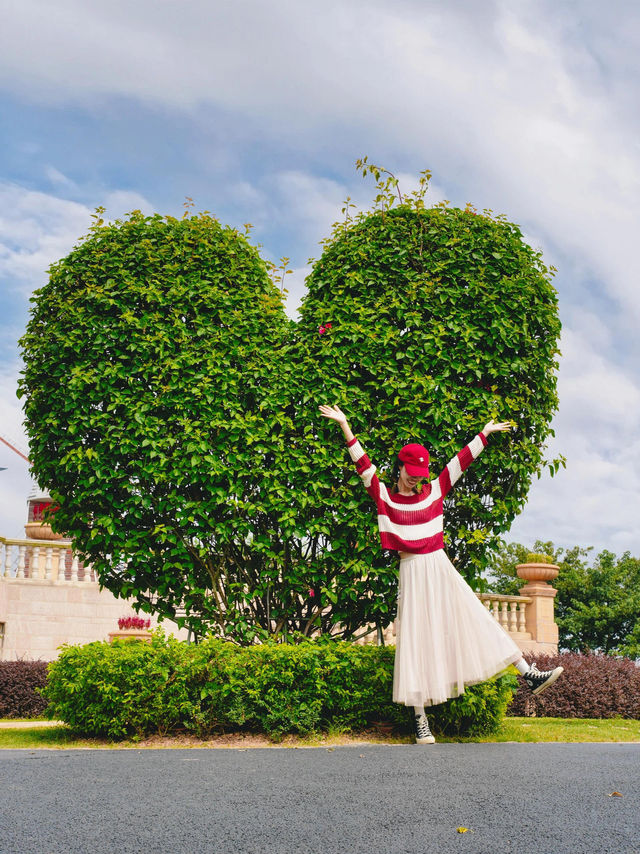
x: 41, y: 615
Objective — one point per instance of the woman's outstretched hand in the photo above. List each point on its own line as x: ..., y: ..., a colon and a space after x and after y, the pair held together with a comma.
x: 334, y: 413
x: 496, y: 427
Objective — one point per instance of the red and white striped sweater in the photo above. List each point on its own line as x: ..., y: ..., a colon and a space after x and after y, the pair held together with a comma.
x: 413, y: 523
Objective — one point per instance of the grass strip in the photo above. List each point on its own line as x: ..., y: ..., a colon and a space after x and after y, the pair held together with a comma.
x: 532, y: 730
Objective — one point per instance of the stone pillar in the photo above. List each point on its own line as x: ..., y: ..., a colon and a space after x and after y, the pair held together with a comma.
x: 540, y: 622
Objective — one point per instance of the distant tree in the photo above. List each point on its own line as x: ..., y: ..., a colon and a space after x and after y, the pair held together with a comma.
x: 597, y: 606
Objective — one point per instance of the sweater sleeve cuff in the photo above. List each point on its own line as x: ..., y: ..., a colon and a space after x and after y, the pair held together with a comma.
x: 353, y: 441
x: 483, y: 439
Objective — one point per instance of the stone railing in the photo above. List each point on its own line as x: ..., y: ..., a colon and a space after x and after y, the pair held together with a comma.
x: 51, y: 560
x: 509, y: 611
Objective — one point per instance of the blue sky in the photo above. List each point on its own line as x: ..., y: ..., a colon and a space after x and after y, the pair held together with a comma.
x: 258, y: 111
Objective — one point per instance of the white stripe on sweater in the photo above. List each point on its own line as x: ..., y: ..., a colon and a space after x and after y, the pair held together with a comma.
x: 367, y: 476
x: 453, y: 466
x: 356, y: 452
x: 454, y: 469
x: 476, y: 446
x: 411, y: 532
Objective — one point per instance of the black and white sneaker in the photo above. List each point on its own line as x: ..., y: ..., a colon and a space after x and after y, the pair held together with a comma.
x: 538, y: 680
x: 422, y: 731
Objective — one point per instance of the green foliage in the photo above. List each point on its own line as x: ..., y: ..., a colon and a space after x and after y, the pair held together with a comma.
x: 535, y: 557
x: 440, y: 319
x: 597, y: 607
x: 149, y: 360
x: 133, y: 688
x: 172, y: 408
x: 114, y: 690
x: 480, y: 710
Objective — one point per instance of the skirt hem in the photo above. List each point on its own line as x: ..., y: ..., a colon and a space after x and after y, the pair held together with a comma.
x: 455, y: 690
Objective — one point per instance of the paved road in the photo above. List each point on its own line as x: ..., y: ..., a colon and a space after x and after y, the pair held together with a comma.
x: 524, y: 798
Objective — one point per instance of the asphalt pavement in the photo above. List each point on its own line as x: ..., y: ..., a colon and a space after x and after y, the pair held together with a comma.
x: 383, y: 799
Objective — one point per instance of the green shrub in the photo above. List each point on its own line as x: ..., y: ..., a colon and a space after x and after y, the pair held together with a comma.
x: 536, y: 557
x: 480, y: 710
x: 119, y: 689
x: 133, y: 688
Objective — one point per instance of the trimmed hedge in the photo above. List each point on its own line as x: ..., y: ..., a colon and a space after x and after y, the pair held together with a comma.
x: 132, y: 688
x: 592, y: 686
x: 19, y: 684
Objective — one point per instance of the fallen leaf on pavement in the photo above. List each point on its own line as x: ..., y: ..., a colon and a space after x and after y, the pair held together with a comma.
x: 615, y: 795
x: 464, y: 830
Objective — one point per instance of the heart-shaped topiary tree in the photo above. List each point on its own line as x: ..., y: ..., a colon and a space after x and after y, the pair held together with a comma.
x: 172, y: 407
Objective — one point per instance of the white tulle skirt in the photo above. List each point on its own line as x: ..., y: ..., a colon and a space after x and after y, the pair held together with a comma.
x: 445, y: 637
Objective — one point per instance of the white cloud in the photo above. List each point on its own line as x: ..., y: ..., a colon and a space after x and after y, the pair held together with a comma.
x: 37, y: 229
x: 58, y: 179
x: 594, y: 501
x: 15, y: 482
x: 295, y: 285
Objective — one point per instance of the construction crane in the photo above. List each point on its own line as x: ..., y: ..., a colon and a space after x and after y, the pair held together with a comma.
x: 14, y: 449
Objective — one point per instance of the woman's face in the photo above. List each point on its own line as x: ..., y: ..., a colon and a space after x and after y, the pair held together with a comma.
x: 406, y: 482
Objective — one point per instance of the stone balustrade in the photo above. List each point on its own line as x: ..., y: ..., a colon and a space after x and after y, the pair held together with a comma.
x: 49, y: 598
x: 50, y: 560
x: 509, y: 611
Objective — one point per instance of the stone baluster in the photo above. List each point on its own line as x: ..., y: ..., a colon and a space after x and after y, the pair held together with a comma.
x: 7, y: 559
x: 2, y: 562
x: 47, y: 562
x: 495, y: 609
x: 86, y: 573
x: 74, y: 568
x: 522, y: 619
x: 62, y: 564
x: 504, y: 615
x: 513, y: 616
x: 57, y: 571
x: 34, y: 562
x: 22, y: 553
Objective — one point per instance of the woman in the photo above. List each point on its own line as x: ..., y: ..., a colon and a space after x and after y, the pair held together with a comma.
x: 445, y: 637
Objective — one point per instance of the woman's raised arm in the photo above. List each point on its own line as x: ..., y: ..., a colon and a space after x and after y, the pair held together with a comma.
x: 364, y: 466
x: 463, y: 459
